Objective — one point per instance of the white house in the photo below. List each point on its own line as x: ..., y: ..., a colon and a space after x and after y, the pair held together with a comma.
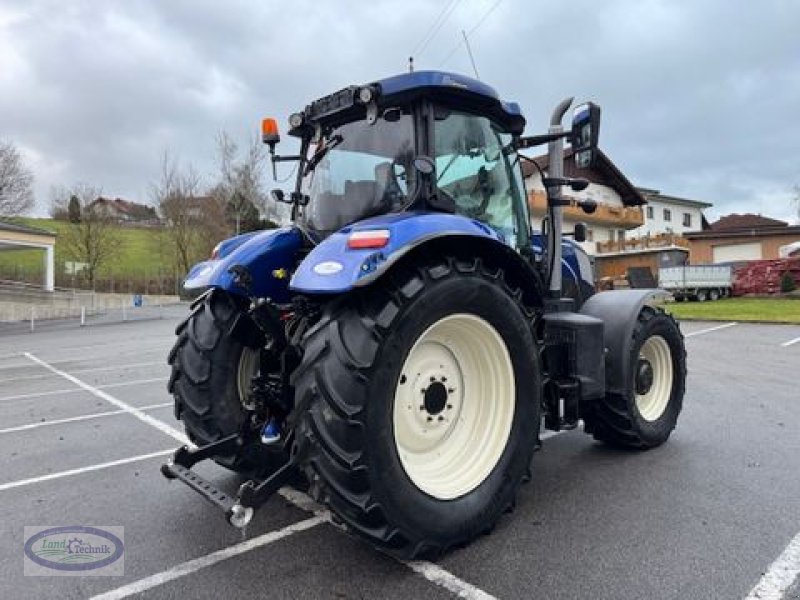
x: 670, y: 214
x: 619, y: 203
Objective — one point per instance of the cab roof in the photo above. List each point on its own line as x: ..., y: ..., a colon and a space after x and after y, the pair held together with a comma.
x: 455, y: 90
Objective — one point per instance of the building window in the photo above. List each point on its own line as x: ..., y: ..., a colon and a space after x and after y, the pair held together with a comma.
x: 667, y: 215
x: 621, y: 235
x: 590, y: 235
x: 610, y: 235
x: 687, y: 220
x: 649, y: 212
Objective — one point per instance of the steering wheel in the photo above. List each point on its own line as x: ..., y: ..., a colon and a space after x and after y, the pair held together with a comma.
x: 483, y: 186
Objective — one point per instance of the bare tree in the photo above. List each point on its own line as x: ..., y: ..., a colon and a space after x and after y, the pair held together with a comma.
x: 176, y: 194
x: 93, y: 239
x: 240, y: 179
x: 16, y: 182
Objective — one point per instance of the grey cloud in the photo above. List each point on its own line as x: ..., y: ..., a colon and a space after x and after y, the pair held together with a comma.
x: 699, y: 98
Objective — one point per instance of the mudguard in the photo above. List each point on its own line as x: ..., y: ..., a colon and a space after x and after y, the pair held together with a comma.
x: 262, y: 255
x: 619, y: 311
x: 332, y: 267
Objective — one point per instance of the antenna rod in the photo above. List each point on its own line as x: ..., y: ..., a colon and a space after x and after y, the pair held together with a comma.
x: 410, y: 64
x: 471, y: 58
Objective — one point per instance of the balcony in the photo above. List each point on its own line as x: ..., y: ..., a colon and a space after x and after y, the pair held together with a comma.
x: 648, y: 242
x: 620, y: 217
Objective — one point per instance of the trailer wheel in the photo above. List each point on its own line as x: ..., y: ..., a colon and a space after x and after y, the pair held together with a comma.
x: 423, y: 399
x: 713, y: 294
x: 210, y: 381
x: 646, y: 414
x: 701, y: 295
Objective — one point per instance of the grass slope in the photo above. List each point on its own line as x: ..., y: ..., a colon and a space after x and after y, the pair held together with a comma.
x: 140, y: 252
x: 777, y: 310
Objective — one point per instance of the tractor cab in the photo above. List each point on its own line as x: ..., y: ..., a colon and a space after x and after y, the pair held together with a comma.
x: 422, y: 141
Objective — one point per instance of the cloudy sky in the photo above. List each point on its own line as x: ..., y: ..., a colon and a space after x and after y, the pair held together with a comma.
x: 701, y: 99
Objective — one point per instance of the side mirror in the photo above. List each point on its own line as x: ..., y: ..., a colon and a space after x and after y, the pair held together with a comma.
x: 585, y: 133
x: 424, y: 164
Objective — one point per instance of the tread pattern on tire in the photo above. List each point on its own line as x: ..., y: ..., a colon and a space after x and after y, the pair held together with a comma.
x: 610, y: 419
x: 331, y: 428
x: 203, y: 370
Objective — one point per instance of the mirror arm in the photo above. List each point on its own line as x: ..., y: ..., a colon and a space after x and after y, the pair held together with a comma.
x: 275, y: 158
x: 529, y: 141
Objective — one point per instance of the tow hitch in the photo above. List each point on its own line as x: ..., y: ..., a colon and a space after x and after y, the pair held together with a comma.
x: 252, y: 494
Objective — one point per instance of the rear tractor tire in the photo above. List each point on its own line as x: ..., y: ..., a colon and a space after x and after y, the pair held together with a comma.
x: 423, y: 400
x: 645, y: 415
x: 210, y: 381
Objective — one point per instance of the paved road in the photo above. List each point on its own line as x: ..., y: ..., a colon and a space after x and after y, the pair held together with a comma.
x: 701, y: 517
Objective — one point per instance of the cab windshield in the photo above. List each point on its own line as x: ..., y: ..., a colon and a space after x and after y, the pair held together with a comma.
x: 359, y: 170
x: 476, y: 165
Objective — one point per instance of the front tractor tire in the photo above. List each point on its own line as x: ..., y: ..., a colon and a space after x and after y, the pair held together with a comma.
x: 644, y: 416
x: 210, y: 381
x: 423, y: 397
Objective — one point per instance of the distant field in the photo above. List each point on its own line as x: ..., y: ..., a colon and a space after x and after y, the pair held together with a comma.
x: 140, y: 253
x: 778, y: 310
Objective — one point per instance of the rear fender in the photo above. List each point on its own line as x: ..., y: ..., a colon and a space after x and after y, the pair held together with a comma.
x: 333, y: 268
x: 619, y: 311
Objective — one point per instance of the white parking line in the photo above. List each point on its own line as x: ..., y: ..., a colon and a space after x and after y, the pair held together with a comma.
x: 107, y: 413
x: 194, y: 565
x: 710, y: 329
x: 89, y: 370
x: 441, y: 577
x: 123, y: 461
x: 142, y: 416
x: 790, y: 342
x: 134, y: 347
x: 105, y: 386
x: 781, y: 574
x: 137, y: 354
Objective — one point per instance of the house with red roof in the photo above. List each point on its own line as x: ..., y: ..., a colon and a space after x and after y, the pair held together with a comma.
x: 735, y: 238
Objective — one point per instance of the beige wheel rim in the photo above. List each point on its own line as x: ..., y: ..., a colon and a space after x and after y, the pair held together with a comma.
x: 653, y: 401
x: 248, y: 367
x: 454, y: 406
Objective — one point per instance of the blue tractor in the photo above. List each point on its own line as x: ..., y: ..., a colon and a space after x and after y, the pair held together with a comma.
x: 408, y: 336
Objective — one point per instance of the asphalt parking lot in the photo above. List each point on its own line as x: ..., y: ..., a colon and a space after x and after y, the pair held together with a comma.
x: 85, y: 422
